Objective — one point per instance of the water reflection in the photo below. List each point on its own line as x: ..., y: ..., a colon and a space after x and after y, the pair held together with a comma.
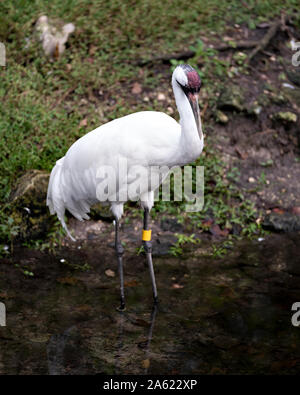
x: 229, y: 315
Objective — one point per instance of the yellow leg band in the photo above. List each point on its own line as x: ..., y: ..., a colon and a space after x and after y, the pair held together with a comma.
x: 146, y: 235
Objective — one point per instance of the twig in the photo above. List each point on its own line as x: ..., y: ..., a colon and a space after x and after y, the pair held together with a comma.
x: 167, y: 58
x: 204, y: 109
x: 262, y: 44
x: 63, y: 97
x: 258, y: 134
x: 243, y: 44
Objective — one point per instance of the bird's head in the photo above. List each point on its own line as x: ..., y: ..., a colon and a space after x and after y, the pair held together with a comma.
x: 189, y: 81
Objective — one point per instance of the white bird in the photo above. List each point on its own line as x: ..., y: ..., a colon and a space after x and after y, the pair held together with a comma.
x: 104, y: 164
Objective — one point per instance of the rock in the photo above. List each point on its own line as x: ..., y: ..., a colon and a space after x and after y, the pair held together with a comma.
x: 232, y: 98
x: 294, y: 76
x: 277, y: 98
x: 171, y: 224
x: 221, y: 117
x: 285, y: 116
x: 161, y: 97
x: 28, y: 202
x: 161, y: 246
x: 29, y: 210
x: 282, y: 222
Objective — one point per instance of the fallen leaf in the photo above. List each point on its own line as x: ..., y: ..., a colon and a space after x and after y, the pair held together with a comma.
x: 83, y: 308
x: 241, y: 153
x: 136, y: 88
x: 92, y: 50
x: 141, y: 322
x: 110, y: 273
x: 83, y: 122
x: 146, y: 363
x: 132, y: 283
x: 296, y: 210
x: 4, y: 295
x: 207, y: 223
x: 217, y: 231
x: 67, y: 280
x: 161, y: 97
x: 278, y: 210
x: 177, y: 286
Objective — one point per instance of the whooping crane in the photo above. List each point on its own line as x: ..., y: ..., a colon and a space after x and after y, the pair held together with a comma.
x: 148, y: 141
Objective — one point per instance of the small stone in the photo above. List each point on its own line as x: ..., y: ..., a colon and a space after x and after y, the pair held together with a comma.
x: 110, y: 273
x: 177, y: 286
x: 286, y: 116
x: 161, y: 97
x: 282, y: 222
x: 221, y: 117
x: 287, y: 85
x: 136, y: 88
x: 257, y: 110
x: 251, y: 180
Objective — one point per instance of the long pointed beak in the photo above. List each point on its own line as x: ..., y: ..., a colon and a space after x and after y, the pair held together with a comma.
x: 193, y: 99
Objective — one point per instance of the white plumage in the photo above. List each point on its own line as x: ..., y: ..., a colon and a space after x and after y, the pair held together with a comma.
x: 145, y: 139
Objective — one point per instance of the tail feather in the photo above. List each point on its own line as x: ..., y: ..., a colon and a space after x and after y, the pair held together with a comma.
x: 55, y: 200
x: 70, y: 190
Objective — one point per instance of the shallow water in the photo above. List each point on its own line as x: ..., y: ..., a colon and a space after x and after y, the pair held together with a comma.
x: 215, y: 316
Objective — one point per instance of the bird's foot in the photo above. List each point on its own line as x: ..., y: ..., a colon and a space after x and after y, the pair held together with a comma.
x: 122, y: 306
x: 147, y: 246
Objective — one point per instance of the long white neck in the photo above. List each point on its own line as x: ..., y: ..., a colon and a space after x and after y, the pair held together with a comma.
x: 191, y: 141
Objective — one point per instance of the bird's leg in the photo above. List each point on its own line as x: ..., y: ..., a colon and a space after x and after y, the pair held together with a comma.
x: 120, y: 251
x: 148, y: 249
x: 152, y: 322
